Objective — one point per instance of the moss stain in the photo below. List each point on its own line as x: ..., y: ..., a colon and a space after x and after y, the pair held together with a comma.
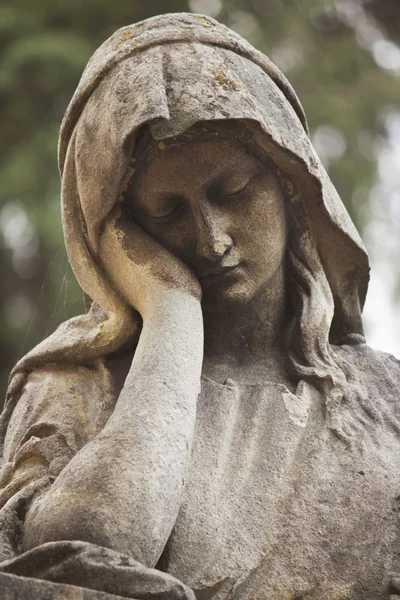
x: 204, y: 21
x: 227, y: 82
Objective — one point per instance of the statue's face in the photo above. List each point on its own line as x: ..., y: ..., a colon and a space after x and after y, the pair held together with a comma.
x: 220, y: 210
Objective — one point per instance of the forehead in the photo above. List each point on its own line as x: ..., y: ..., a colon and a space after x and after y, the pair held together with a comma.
x: 178, y: 162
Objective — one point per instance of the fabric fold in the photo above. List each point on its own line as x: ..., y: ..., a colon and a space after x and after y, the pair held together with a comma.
x: 96, y: 568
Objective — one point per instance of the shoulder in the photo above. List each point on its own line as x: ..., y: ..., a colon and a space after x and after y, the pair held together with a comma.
x: 371, y: 402
x: 75, y: 400
x: 51, y: 386
x: 373, y: 382
x: 370, y: 364
x: 67, y: 379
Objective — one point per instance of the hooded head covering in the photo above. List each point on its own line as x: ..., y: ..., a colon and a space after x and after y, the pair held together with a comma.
x: 170, y: 72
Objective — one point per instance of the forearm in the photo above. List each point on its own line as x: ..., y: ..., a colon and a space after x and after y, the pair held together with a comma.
x: 134, y: 468
x: 168, y: 358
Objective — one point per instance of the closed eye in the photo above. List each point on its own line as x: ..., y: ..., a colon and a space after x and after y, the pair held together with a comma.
x: 238, y: 190
x: 173, y: 207
x: 227, y: 189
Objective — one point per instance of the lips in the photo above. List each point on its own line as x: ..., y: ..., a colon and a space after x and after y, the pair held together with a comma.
x: 217, y: 274
x: 216, y: 271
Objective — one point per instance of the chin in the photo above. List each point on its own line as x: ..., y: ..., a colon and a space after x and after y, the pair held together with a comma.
x: 227, y: 298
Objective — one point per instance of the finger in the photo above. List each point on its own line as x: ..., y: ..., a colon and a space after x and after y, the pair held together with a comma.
x: 136, y: 243
x: 117, y: 256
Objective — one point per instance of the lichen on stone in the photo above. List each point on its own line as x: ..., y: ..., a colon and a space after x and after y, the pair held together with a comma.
x: 227, y: 82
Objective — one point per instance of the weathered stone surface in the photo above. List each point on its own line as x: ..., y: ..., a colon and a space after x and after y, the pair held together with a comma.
x: 216, y: 425
x: 24, y: 588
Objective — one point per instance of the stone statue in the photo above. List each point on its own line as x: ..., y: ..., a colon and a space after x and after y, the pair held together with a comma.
x: 215, y: 427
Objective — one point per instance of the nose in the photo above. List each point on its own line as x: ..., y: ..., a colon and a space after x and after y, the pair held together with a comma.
x: 213, y: 242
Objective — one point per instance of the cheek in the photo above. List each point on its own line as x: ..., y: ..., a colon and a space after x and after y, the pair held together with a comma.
x: 175, y: 237
x: 262, y: 234
x: 273, y: 234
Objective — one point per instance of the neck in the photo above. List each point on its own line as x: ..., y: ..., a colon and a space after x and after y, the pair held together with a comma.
x: 249, y: 333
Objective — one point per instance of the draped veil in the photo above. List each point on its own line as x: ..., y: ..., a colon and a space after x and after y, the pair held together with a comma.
x: 170, y: 72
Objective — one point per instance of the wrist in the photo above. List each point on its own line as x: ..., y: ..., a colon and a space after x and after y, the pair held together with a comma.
x: 170, y: 305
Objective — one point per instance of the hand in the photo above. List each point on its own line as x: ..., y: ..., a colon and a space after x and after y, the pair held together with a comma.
x: 143, y: 270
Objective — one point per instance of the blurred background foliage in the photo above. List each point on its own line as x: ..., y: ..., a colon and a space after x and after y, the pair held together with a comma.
x: 343, y: 59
